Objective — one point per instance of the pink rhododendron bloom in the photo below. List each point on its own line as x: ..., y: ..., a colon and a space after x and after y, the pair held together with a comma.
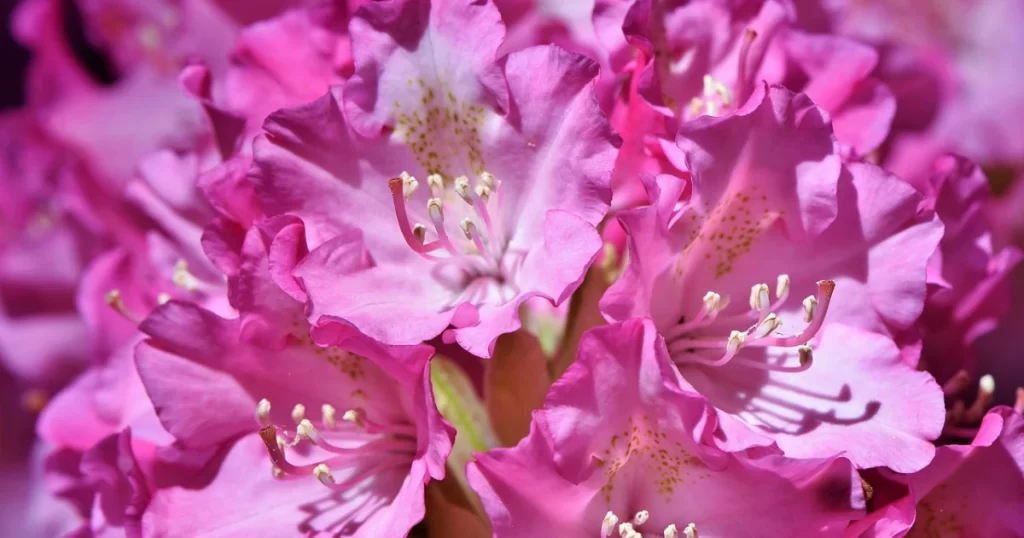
x: 969, y: 49
x: 476, y: 185
x: 350, y: 427
x: 967, y: 490
x: 968, y: 274
x: 621, y: 449
x: 708, y: 56
x: 772, y: 213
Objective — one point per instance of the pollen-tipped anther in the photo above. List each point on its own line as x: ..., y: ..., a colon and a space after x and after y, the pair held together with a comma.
x: 306, y: 430
x: 329, y: 413
x: 323, y: 473
x: 810, y: 307
x: 608, y: 524
x: 767, y: 326
x: 436, y: 184
x: 671, y: 531
x: 298, y: 413
x: 463, y: 189
x: 484, y: 192
x: 782, y: 286
x: 690, y: 531
x: 355, y: 416
x: 183, y: 278
x: 263, y: 412
x: 488, y: 180
x: 806, y: 355
x: 641, y: 517
x: 409, y: 185
x: 736, y: 339
x: 435, y: 208
x: 759, y: 298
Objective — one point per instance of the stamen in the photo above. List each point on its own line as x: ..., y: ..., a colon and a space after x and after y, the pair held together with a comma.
x: 409, y: 185
x: 626, y: 531
x: 488, y: 180
x: 825, y: 289
x: 472, y: 234
x: 419, y: 231
x: 396, y: 185
x: 298, y: 413
x: 810, y: 304
x: 113, y: 298
x: 986, y: 392
x: 162, y: 298
x: 741, y: 68
x: 323, y: 474
x: 671, y: 531
x: 641, y: 517
x: 183, y: 278
x: 329, y: 413
x: 713, y: 304
x: 435, y: 209
x: 1018, y: 404
x: 690, y: 531
x: 759, y: 298
x: 782, y: 287
x: 608, y: 525
x: 306, y: 430
x: 355, y: 416
x: 436, y: 183
x: 767, y: 326
x: 806, y: 355
x: 483, y: 191
x: 463, y: 190
x: 263, y: 412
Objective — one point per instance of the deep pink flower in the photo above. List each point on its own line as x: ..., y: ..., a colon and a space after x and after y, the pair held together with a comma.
x: 709, y: 56
x: 968, y: 275
x: 772, y: 214
x: 620, y: 449
x: 511, y: 161
x: 967, y: 490
x: 351, y: 428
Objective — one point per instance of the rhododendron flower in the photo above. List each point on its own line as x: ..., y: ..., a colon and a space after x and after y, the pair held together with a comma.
x: 967, y: 490
x: 708, y: 56
x: 351, y: 428
x: 771, y: 213
x: 620, y: 449
x: 476, y: 185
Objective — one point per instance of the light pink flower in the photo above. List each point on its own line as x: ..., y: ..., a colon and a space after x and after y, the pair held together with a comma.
x: 772, y: 215
x: 511, y: 161
x: 350, y: 426
x: 621, y: 449
x: 967, y: 490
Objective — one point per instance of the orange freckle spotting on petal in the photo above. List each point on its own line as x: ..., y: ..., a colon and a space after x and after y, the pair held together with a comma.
x: 443, y: 134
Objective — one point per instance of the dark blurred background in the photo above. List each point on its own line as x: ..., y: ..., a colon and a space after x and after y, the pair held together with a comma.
x: 12, y: 60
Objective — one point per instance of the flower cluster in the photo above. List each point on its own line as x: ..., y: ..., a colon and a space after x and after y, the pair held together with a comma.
x: 521, y: 268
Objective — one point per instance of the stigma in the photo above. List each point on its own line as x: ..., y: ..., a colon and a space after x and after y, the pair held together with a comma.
x: 703, y: 341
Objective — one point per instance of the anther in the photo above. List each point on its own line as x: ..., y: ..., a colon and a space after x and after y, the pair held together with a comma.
x: 1018, y: 403
x: 263, y: 412
x: 435, y: 210
x: 419, y: 231
x: 986, y: 392
x: 671, y: 531
x: 306, y: 430
x: 690, y: 531
x: 488, y: 180
x: 641, y: 517
x: 114, y: 299
x: 484, y: 192
x: 298, y: 413
x: 806, y: 355
x: 713, y: 302
x: 626, y: 530
x: 608, y: 525
x: 409, y: 185
x: 467, y: 227
x: 355, y: 416
x: 759, y: 299
x: 328, y: 411
x: 463, y: 190
x: 782, y: 286
x: 736, y: 339
x: 767, y: 326
x: 323, y: 473
x: 436, y: 183
x: 810, y: 306
x: 183, y: 278
x: 276, y: 471
x: 162, y: 298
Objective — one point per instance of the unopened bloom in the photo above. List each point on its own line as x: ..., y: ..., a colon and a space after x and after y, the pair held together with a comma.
x: 777, y: 277
x: 621, y: 450
x: 475, y: 184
